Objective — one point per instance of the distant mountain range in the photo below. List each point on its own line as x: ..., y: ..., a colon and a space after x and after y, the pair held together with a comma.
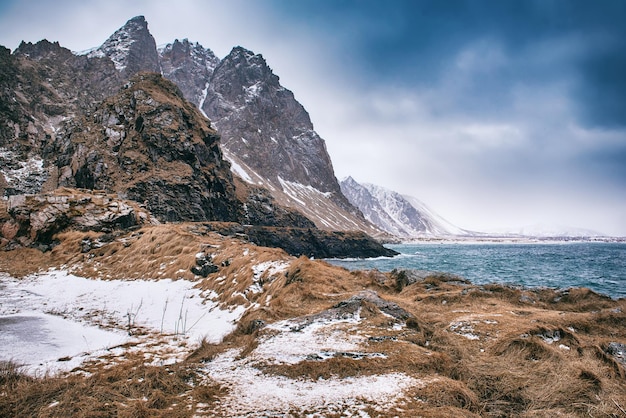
x: 407, y: 218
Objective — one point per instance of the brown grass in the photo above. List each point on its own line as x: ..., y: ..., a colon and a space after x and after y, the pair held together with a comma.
x: 538, y: 353
x: 128, y: 390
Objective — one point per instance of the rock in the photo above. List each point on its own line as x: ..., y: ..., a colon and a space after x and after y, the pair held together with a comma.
x: 131, y: 48
x: 617, y: 351
x: 35, y: 219
x: 407, y: 277
x: 317, y: 243
x: 204, y: 266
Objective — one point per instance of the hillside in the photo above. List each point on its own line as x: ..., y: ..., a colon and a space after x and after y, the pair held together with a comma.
x: 268, y: 334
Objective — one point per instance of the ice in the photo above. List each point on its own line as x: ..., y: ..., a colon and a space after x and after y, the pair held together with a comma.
x: 48, y: 343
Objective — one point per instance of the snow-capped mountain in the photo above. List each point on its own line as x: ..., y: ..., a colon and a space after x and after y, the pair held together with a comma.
x: 550, y: 231
x: 131, y: 48
x: 266, y: 135
x: 402, y: 216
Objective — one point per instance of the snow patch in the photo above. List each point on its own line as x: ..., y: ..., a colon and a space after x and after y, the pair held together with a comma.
x: 203, y: 99
x: 165, y: 309
x: 239, y: 170
x: 18, y: 174
x: 289, y: 342
x: 264, y: 272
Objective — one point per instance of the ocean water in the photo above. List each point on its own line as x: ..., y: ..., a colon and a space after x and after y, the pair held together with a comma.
x: 598, y: 266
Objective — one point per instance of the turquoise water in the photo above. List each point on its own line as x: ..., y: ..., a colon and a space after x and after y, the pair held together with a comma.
x: 598, y: 266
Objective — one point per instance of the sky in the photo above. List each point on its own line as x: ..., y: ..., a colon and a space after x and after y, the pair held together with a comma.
x: 496, y: 114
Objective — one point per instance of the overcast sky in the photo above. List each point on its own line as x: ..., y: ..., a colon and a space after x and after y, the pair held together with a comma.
x: 496, y: 114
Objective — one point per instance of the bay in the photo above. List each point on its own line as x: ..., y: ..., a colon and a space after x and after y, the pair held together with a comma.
x: 598, y: 266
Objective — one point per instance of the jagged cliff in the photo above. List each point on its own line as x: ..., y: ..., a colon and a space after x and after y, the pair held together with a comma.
x: 269, y: 138
x: 98, y: 121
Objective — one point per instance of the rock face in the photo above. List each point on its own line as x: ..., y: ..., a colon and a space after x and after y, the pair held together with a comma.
x: 131, y: 48
x: 43, y: 85
x: 190, y: 66
x: 269, y: 138
x: 264, y: 126
x: 317, y: 243
x: 402, y: 216
x: 150, y: 145
x: 34, y: 219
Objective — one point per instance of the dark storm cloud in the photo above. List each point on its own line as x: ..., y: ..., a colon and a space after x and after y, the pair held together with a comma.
x: 413, y: 43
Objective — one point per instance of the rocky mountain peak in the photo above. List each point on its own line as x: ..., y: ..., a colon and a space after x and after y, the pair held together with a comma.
x: 190, y: 66
x: 131, y: 48
x: 251, y: 68
x: 42, y: 49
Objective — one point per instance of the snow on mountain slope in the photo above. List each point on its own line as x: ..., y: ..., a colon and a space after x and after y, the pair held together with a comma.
x: 403, y: 216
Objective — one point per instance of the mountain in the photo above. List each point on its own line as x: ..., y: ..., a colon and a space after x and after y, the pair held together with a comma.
x: 99, y: 121
x: 266, y: 134
x: 131, y: 48
x: 402, y: 216
x: 190, y: 66
x: 550, y: 231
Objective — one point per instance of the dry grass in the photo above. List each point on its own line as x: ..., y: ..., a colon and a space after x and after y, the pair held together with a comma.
x: 128, y: 390
x: 488, y: 351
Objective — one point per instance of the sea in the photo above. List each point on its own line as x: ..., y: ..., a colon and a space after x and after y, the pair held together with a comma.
x: 599, y: 266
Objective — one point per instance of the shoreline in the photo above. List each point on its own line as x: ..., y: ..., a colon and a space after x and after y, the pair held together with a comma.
x: 511, y: 240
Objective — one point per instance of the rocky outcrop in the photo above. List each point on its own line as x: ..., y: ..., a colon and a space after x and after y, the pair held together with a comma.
x: 150, y: 145
x: 317, y: 243
x: 33, y: 220
x: 261, y: 209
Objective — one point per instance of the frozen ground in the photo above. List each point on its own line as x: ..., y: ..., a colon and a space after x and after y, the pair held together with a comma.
x: 55, y: 321
x: 253, y: 393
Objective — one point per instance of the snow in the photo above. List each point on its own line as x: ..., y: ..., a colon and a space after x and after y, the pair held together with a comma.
x: 253, y: 91
x: 203, y: 99
x: 100, y: 314
x: 299, y: 191
x: 39, y: 340
x: 254, y: 393
x: 289, y: 343
x: 19, y: 172
x: 264, y: 272
x: 239, y: 170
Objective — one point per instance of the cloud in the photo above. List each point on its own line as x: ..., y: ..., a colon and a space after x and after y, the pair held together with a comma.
x: 494, y: 113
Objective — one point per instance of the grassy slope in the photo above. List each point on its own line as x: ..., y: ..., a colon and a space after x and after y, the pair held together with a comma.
x: 470, y: 350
